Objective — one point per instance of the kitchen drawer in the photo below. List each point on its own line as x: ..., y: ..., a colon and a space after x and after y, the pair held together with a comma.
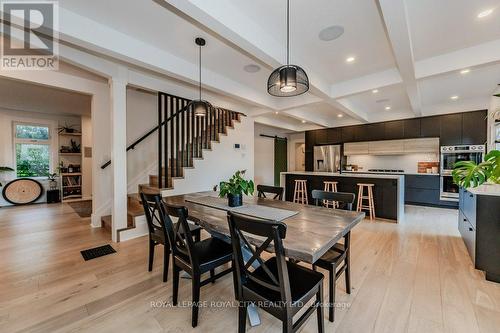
x: 422, y: 196
x: 468, y: 235
x: 424, y: 182
x: 468, y: 201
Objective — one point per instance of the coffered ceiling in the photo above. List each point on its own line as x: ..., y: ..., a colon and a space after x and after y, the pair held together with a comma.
x: 410, y: 52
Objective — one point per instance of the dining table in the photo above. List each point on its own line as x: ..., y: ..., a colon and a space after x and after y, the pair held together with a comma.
x: 310, y: 230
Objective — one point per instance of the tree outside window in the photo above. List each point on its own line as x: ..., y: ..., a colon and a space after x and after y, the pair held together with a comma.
x: 32, y: 148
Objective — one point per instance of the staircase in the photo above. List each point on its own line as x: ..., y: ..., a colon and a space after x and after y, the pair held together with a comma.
x: 182, y: 139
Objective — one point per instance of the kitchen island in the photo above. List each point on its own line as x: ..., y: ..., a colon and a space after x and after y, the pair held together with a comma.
x: 388, y: 190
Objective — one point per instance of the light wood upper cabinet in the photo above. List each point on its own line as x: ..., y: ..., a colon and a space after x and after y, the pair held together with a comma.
x: 392, y: 147
x: 428, y: 145
x: 356, y: 148
x: 386, y: 147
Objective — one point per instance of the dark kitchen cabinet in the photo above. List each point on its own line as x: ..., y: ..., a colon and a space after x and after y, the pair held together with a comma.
x: 321, y: 137
x: 451, y: 129
x: 412, y: 128
x: 348, y: 134
x: 480, y: 230
x: 430, y: 127
x: 474, y: 128
x: 394, y: 130
x: 369, y: 132
x: 334, y: 136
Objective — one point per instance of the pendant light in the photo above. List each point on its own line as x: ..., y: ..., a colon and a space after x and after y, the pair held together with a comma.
x: 199, y: 105
x: 288, y: 80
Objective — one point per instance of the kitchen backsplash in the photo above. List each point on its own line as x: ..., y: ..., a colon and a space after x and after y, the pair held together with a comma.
x: 408, y: 162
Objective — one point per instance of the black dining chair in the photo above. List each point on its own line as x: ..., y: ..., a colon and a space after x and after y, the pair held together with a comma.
x: 195, y: 258
x: 339, y: 253
x: 276, y: 190
x: 158, y: 232
x: 278, y: 286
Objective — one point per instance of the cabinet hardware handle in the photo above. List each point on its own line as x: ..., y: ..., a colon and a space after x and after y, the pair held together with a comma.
x: 470, y: 229
x: 471, y: 195
x: 465, y: 220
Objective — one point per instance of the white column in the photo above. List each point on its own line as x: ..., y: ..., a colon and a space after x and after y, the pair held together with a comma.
x: 118, y: 86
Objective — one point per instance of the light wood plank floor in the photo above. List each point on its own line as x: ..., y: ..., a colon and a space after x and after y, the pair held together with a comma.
x: 412, y: 277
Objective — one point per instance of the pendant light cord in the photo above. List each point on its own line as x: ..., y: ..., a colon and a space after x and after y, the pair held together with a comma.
x: 199, y: 86
x: 288, y: 32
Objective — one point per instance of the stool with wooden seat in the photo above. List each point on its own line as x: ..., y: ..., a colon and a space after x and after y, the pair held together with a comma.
x: 300, y: 193
x: 361, y: 196
x: 330, y: 187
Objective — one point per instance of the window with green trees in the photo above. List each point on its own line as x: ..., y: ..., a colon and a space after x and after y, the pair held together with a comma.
x: 32, y: 146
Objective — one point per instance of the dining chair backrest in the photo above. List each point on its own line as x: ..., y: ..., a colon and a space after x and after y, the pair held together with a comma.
x: 241, y: 227
x: 179, y: 233
x: 152, y: 204
x: 344, y: 199
x: 276, y: 190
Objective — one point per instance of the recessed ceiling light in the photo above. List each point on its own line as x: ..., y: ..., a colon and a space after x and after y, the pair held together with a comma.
x: 465, y: 71
x: 276, y: 112
x: 455, y: 97
x: 303, y: 121
x: 340, y: 115
x: 485, y: 13
x: 350, y: 59
x: 387, y: 108
x: 252, y: 68
x: 331, y: 33
x: 375, y: 91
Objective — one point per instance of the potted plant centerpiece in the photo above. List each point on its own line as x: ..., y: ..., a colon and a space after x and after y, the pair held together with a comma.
x: 469, y: 174
x: 235, y: 188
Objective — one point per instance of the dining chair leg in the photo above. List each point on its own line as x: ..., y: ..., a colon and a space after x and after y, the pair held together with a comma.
x: 319, y: 310
x: 175, y: 283
x: 151, y: 254
x: 166, y: 260
x: 242, y: 317
x: 196, y: 299
x: 197, y: 236
x: 348, y: 263
x: 212, y: 274
x: 331, y: 292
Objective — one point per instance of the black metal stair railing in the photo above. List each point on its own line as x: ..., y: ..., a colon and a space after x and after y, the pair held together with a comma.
x: 182, y: 136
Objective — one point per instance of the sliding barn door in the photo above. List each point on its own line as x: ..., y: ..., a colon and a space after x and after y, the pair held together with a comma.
x: 280, y: 159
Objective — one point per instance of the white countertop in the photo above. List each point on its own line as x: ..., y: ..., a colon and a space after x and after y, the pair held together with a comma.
x: 486, y: 189
x: 351, y: 174
x: 397, y: 174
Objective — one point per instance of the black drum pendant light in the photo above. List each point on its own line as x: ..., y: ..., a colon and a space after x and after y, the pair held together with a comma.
x: 288, y: 80
x: 199, y: 105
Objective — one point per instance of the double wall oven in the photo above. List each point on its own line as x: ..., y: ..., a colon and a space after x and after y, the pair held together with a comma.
x: 451, y: 155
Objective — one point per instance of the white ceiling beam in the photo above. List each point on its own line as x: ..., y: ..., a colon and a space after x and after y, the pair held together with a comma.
x: 273, y: 121
x: 395, y: 17
x: 454, y: 61
x: 228, y: 22
x: 366, y: 83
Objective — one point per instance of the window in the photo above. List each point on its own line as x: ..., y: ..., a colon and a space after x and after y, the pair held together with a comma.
x: 32, y: 148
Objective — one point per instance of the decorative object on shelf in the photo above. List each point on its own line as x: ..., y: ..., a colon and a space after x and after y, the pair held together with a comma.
x: 4, y: 169
x: 51, y: 177
x: 22, y: 191
x: 469, y: 174
x: 235, y: 188
x: 200, y: 106
x: 67, y: 129
x: 288, y: 80
x: 75, y: 147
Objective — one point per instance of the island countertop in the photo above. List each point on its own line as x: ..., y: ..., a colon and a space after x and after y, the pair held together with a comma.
x: 388, y: 188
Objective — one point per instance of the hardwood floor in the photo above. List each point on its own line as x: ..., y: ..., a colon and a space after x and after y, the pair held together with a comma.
x: 411, y: 277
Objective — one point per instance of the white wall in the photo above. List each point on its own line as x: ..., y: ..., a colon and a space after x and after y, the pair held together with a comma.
x: 493, y: 113
x: 293, y: 140
x: 408, y: 162
x: 264, y: 153
x: 86, y: 160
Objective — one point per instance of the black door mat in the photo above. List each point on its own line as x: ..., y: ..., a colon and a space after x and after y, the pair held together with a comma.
x: 97, y: 252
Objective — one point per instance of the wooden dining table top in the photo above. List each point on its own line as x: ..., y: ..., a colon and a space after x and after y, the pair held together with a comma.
x: 309, y: 234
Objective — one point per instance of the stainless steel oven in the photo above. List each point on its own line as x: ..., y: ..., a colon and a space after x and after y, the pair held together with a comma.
x: 451, y: 155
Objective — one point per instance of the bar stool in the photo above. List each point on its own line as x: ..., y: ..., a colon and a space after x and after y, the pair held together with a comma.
x: 330, y: 187
x: 300, y: 194
x: 369, y: 197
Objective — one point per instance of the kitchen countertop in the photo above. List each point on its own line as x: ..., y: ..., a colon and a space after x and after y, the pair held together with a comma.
x: 351, y: 174
x: 398, y: 174
x: 493, y: 189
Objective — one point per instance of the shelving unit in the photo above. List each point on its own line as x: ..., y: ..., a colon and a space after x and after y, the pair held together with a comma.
x: 71, y: 182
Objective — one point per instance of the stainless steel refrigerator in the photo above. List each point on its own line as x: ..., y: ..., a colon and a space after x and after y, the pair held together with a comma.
x: 327, y: 158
